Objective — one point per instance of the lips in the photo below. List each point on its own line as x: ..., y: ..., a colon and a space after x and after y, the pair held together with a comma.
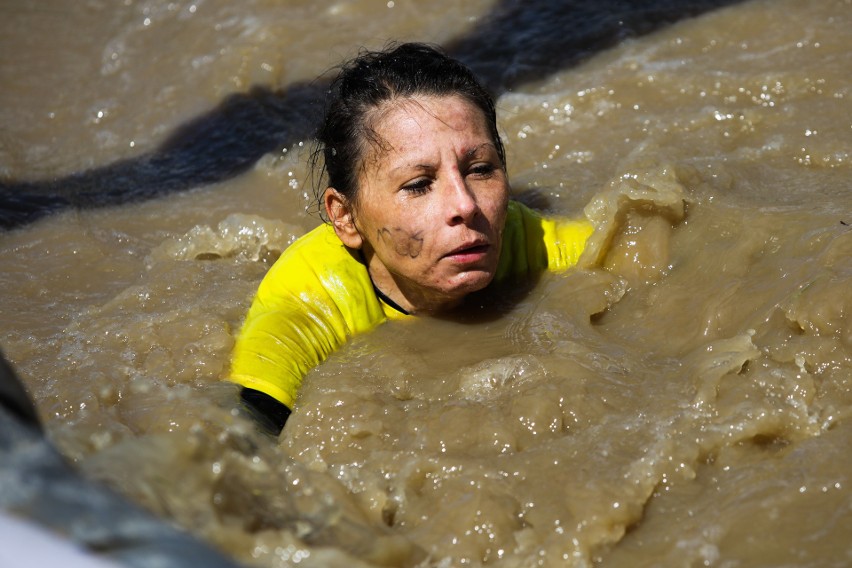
x: 469, y: 252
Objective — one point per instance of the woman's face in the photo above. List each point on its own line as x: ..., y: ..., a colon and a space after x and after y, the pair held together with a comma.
x: 432, y: 203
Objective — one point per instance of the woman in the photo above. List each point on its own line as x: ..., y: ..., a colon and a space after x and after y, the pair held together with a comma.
x: 419, y: 218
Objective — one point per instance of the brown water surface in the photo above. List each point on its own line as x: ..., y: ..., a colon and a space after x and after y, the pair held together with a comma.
x: 684, y: 398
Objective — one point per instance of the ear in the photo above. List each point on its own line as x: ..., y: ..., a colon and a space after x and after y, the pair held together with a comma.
x: 340, y: 214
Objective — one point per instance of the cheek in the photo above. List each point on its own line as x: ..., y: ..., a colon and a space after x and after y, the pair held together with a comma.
x: 405, y: 243
x: 496, y: 208
x: 386, y: 235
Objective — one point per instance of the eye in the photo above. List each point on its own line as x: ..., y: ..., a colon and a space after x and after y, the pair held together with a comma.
x: 418, y: 186
x: 482, y: 169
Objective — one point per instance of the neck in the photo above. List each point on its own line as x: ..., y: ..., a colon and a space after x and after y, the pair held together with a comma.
x: 411, y: 298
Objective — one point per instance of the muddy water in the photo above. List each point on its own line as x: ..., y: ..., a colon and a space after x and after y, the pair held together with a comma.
x: 684, y: 398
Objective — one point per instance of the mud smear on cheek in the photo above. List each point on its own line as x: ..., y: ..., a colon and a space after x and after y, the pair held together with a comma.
x: 401, y: 241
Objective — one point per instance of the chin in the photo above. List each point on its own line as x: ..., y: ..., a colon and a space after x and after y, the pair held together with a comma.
x: 471, y: 282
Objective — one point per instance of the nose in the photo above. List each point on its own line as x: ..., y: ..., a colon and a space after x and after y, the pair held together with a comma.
x: 461, y: 201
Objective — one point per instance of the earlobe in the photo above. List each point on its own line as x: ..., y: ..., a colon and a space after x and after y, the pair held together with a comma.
x: 339, y: 212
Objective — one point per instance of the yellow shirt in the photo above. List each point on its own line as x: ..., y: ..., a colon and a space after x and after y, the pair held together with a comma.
x: 318, y: 294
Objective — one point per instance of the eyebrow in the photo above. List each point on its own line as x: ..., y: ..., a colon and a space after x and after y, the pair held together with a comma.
x: 468, y: 154
x: 473, y: 151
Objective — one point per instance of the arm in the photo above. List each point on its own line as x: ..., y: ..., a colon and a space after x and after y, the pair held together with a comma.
x: 269, y: 413
x: 311, y: 301
x: 280, y: 344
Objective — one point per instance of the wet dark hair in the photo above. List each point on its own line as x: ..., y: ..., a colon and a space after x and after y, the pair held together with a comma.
x: 372, y: 79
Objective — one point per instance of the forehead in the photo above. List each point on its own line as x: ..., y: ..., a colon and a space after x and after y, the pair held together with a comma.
x: 410, y: 124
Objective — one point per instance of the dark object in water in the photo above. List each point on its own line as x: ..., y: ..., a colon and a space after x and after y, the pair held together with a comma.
x: 14, y: 399
x: 37, y: 484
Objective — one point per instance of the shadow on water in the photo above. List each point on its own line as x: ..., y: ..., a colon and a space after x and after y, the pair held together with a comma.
x: 527, y: 40
x: 519, y: 42
x: 213, y: 147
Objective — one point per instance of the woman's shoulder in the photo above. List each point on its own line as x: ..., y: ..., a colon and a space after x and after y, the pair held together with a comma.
x: 316, y: 262
x: 318, y: 274
x: 533, y: 241
x: 319, y: 240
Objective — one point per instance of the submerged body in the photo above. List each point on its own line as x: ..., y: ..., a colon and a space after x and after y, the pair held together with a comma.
x: 418, y: 203
x: 319, y: 294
